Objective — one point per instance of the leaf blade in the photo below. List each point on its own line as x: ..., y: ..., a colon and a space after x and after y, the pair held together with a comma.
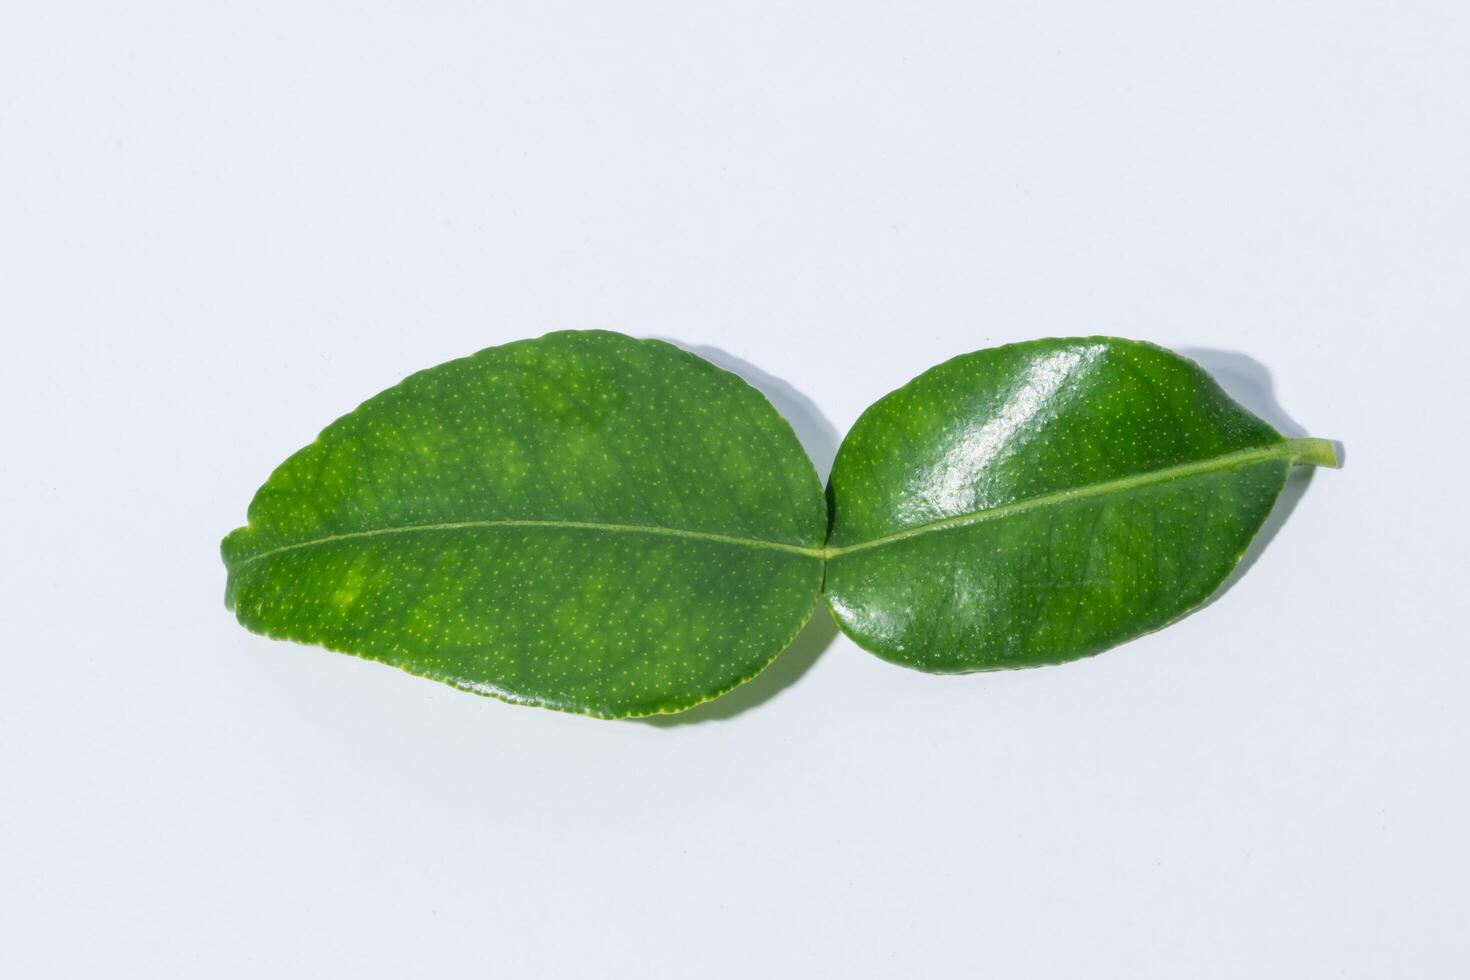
x: 977, y: 510
x: 636, y: 469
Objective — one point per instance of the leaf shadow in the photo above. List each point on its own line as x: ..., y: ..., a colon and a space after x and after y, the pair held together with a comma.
x: 817, y: 435
x: 1249, y: 382
x: 788, y: 667
x: 819, y: 438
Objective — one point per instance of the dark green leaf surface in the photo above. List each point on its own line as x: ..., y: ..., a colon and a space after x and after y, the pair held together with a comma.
x: 585, y: 522
x: 1044, y: 501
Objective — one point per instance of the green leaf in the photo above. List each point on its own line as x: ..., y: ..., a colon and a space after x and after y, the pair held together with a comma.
x: 585, y: 522
x: 611, y: 526
x: 1044, y: 501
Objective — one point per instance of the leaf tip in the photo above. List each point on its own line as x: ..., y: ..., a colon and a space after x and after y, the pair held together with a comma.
x: 1315, y: 452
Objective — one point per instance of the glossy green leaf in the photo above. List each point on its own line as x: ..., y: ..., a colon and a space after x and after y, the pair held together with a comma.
x: 1044, y: 501
x: 585, y: 522
x: 599, y: 524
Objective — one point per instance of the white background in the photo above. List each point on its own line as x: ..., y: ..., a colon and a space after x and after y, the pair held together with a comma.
x: 221, y: 226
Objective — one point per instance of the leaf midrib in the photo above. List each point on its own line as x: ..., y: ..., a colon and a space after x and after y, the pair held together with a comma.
x: 1315, y: 451
x: 671, y: 532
